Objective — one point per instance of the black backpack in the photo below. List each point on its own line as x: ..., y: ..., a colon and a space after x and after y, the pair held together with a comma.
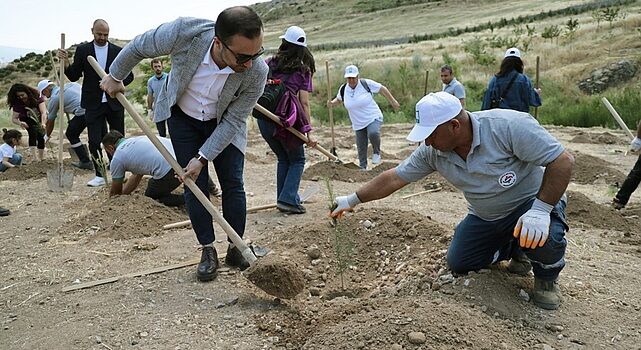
x: 363, y: 82
x: 496, y: 102
x: 274, y: 91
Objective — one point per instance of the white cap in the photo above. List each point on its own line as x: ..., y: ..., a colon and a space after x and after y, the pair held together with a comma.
x: 512, y: 52
x: 433, y: 110
x: 43, y: 84
x: 351, y: 71
x: 295, y: 35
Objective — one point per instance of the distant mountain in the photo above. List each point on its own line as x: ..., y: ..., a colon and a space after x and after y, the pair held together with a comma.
x: 8, y: 54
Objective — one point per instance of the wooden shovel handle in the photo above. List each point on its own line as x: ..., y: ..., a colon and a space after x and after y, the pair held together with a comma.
x: 235, y: 238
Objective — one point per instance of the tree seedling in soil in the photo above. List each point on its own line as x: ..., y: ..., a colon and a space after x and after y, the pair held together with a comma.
x: 343, y: 246
x: 102, y: 168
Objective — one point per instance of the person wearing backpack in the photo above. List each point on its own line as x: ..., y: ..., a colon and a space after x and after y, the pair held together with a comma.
x: 510, y: 88
x: 292, y: 66
x: 365, y: 115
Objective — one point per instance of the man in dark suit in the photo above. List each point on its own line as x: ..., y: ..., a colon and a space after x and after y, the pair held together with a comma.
x: 100, y: 108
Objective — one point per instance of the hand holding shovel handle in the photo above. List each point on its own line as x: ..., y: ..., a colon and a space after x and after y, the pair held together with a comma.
x: 235, y: 238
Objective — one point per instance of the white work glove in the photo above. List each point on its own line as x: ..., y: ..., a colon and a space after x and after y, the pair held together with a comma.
x: 635, y: 145
x: 343, y: 204
x: 46, y: 138
x: 533, y: 227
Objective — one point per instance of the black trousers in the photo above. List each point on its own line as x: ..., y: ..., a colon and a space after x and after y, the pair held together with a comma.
x: 630, y: 184
x: 161, y: 189
x: 97, y: 120
x: 36, y: 138
x: 76, y: 126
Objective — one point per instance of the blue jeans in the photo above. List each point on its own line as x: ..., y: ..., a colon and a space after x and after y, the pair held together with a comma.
x: 291, y: 162
x: 478, y: 243
x: 187, y: 136
x: 372, y: 133
x: 15, y: 160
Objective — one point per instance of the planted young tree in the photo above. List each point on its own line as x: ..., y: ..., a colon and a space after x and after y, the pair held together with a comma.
x: 571, y: 27
x: 551, y: 32
x: 343, y: 246
x: 597, y: 15
x: 610, y: 15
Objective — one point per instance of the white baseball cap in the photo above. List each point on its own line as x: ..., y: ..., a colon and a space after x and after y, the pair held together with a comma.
x: 351, y: 71
x: 512, y: 52
x: 295, y: 35
x: 43, y: 84
x: 433, y: 110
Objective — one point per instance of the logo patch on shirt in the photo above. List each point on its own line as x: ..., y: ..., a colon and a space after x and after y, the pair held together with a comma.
x: 508, y: 179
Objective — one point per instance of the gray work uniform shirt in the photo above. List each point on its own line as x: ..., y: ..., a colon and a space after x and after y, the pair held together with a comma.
x: 455, y: 88
x: 504, y: 168
x: 154, y: 85
x: 139, y: 156
x: 72, y: 101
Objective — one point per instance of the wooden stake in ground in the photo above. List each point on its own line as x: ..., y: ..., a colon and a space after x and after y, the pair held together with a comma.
x: 282, y: 274
x: 427, y: 78
x: 536, y: 85
x: 331, y: 114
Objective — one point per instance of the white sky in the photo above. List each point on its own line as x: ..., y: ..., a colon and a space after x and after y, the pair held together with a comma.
x: 37, y: 24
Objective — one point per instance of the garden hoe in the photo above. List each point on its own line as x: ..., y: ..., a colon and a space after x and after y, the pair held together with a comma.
x: 59, y: 179
x: 272, y: 274
x: 300, y: 135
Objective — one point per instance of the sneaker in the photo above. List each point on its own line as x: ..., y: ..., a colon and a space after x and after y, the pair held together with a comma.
x: 616, y: 204
x: 376, y: 159
x: 291, y: 209
x: 83, y: 165
x: 96, y: 182
x: 208, y: 266
x: 235, y: 258
x: 546, y: 294
x: 519, y: 264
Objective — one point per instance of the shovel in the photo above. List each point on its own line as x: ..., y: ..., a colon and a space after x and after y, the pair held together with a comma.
x: 331, y: 114
x: 59, y: 179
x: 300, y: 135
x: 308, y: 193
x: 273, y: 275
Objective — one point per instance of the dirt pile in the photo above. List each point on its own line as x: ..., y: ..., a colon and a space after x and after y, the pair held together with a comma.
x: 119, y: 217
x: 340, y: 172
x: 35, y: 170
x: 435, y: 180
x: 580, y: 208
x: 590, y: 170
x: 602, y: 138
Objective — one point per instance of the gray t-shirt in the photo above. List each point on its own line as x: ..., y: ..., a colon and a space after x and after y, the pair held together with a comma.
x: 139, y: 156
x: 72, y: 101
x: 154, y: 85
x: 504, y: 168
x: 455, y: 88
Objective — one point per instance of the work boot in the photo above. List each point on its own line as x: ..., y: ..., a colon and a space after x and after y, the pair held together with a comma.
x: 546, y: 294
x: 290, y: 209
x: 208, y: 267
x: 83, y: 165
x: 617, y: 204
x: 519, y: 264
x: 235, y: 258
x: 4, y: 211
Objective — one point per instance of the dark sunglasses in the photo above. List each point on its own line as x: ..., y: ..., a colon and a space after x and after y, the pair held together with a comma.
x: 242, y: 58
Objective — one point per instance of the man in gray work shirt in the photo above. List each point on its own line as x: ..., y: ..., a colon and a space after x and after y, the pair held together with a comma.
x: 496, y: 157
x: 77, y: 124
x: 154, y: 85
x: 451, y: 85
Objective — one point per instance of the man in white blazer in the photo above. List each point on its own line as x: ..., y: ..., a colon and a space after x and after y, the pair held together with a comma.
x: 214, y: 83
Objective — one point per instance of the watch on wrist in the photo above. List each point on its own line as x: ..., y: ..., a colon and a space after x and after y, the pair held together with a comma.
x: 202, y: 159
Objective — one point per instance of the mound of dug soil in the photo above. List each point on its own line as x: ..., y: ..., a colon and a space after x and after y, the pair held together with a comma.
x: 602, y: 138
x: 582, y: 209
x: 390, y: 295
x: 120, y: 217
x: 35, y: 170
x: 340, y: 172
x: 589, y: 170
x: 435, y: 180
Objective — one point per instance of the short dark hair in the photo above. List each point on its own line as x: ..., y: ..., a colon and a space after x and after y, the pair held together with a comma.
x: 155, y: 60
x: 242, y: 20
x: 447, y: 67
x: 7, y: 135
x: 112, y: 138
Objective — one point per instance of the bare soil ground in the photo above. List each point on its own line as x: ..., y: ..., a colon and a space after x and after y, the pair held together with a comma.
x: 394, y: 292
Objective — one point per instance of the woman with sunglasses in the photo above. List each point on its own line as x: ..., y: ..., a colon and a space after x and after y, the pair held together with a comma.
x: 365, y: 115
x: 294, y: 66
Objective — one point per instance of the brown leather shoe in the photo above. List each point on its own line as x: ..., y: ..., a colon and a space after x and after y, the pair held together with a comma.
x: 208, y: 267
x: 235, y: 258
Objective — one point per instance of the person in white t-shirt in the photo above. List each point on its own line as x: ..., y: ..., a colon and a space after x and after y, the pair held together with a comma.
x: 365, y: 115
x: 10, y: 157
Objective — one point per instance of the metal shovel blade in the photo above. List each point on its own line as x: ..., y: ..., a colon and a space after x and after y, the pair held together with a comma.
x: 59, y: 180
